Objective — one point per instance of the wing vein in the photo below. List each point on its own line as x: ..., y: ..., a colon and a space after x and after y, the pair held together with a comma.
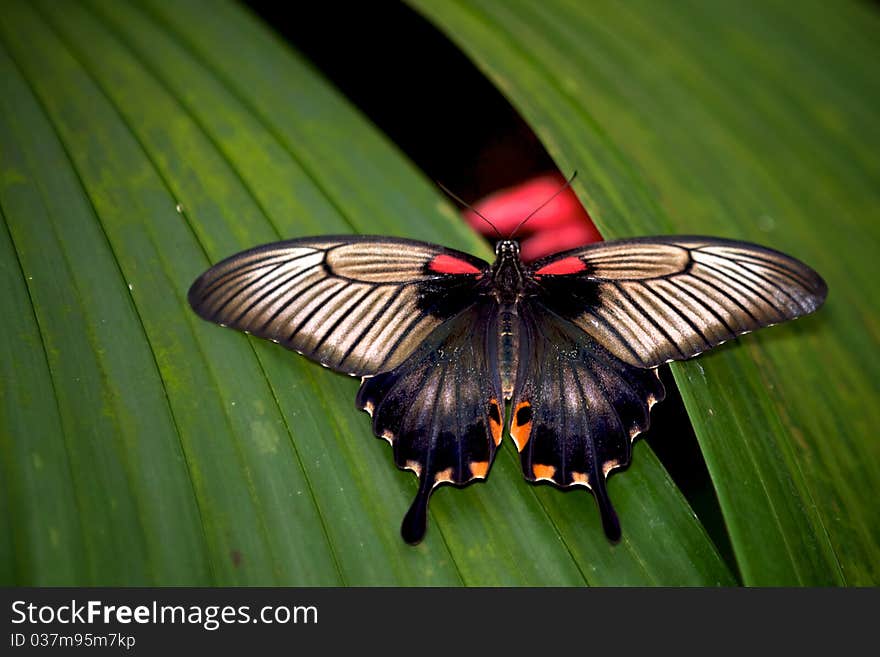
x: 648, y: 316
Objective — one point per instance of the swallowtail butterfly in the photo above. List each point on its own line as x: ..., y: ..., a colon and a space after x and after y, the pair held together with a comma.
x: 454, y: 352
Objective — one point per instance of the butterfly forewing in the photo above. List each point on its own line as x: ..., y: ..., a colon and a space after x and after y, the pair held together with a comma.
x: 652, y: 300
x: 357, y: 305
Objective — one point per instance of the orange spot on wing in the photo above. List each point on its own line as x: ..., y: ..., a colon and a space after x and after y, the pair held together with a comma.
x: 608, y: 466
x: 495, y: 421
x: 580, y: 478
x: 443, y: 475
x: 479, y: 468
x: 543, y: 471
x: 521, y: 427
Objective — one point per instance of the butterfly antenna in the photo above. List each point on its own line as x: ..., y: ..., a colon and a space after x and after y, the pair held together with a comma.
x: 469, y: 207
x: 541, y: 207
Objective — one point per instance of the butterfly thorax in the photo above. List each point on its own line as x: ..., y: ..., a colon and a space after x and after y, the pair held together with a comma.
x: 508, y: 278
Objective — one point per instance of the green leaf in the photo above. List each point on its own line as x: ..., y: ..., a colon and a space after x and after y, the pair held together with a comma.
x: 742, y: 120
x: 141, y: 445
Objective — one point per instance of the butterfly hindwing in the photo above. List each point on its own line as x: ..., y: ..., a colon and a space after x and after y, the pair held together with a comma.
x: 576, y: 407
x: 355, y: 304
x: 440, y: 409
x: 652, y: 300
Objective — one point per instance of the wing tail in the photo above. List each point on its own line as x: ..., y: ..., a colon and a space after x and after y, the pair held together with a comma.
x: 610, y: 522
x: 415, y: 522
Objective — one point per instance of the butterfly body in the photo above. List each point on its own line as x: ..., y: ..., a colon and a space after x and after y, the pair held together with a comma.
x: 508, y: 347
x: 454, y: 352
x: 507, y: 285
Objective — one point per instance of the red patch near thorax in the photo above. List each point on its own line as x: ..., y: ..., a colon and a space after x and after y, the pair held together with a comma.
x: 571, y: 265
x: 447, y: 264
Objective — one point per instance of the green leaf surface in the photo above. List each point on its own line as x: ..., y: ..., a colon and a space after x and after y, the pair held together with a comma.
x: 141, y: 445
x: 744, y: 120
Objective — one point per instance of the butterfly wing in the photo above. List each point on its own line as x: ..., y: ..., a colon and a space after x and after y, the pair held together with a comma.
x: 653, y: 300
x: 440, y: 408
x: 576, y: 408
x: 355, y: 304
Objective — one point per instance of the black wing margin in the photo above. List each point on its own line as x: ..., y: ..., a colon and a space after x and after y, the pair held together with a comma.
x: 355, y: 304
x: 440, y: 410
x: 653, y: 300
x: 576, y: 408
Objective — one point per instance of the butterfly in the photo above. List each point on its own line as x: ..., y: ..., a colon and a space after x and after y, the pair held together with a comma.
x: 561, y: 354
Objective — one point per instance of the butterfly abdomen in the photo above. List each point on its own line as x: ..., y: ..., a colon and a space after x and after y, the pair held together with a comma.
x: 508, y: 348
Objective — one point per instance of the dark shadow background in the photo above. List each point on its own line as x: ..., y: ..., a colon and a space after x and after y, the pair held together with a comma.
x: 430, y: 100
x: 418, y: 88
